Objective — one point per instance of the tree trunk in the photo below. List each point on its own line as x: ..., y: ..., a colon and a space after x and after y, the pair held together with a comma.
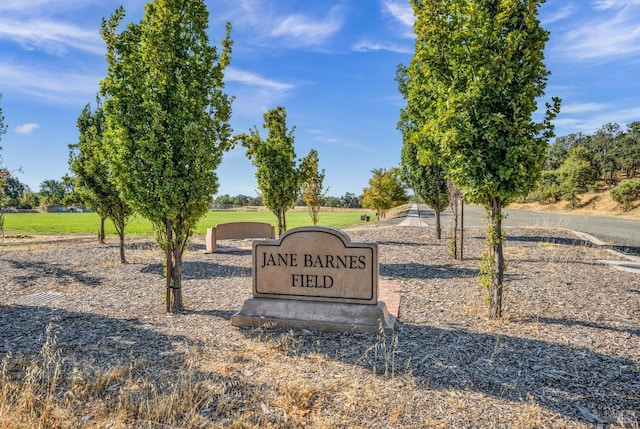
x: 119, y: 224
x: 284, y: 220
x: 168, y: 265
x: 123, y: 259
x: 279, y: 215
x: 101, y: 235
x: 461, y: 227
x: 178, y: 249
x: 454, y: 230
x: 495, y: 239
x: 438, y: 229
x: 175, y: 244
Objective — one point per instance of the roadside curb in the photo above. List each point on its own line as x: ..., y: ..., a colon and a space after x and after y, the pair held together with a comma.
x: 633, y: 266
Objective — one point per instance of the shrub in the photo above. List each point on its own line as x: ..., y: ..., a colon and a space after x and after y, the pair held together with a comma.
x: 626, y: 192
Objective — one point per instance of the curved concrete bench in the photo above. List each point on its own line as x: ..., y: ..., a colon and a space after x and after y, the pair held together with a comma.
x: 237, y: 230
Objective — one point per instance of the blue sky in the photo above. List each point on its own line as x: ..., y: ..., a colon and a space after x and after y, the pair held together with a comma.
x: 330, y: 63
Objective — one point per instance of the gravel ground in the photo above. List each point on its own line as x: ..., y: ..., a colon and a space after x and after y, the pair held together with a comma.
x: 566, y: 354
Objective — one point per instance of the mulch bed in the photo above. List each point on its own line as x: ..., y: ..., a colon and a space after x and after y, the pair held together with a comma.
x: 566, y: 354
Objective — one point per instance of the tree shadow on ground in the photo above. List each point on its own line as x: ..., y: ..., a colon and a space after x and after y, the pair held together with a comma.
x: 583, y: 323
x: 39, y: 270
x: 566, y: 241
x: 87, y: 337
x: 573, y: 381
x: 405, y: 243
x: 198, y: 270
x: 424, y: 271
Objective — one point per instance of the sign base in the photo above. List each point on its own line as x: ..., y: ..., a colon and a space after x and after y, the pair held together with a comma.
x: 323, y: 316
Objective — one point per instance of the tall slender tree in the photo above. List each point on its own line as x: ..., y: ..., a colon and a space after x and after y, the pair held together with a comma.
x: 421, y: 170
x: 313, y: 190
x: 278, y: 175
x: 94, y: 182
x: 167, y: 121
x: 473, y: 82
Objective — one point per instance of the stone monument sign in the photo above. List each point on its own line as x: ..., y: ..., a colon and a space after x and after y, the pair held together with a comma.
x: 315, y: 277
x: 316, y: 264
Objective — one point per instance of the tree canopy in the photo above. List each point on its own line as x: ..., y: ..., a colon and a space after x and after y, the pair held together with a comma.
x: 385, y: 191
x: 277, y: 172
x: 94, y: 181
x: 427, y: 178
x: 312, y: 185
x: 472, y: 87
x: 167, y: 120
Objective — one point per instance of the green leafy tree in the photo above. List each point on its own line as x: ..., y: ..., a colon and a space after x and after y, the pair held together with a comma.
x: 94, y: 182
x: 630, y: 150
x: 577, y: 174
x: 605, y: 147
x: 350, y: 201
x: 421, y: 170
x: 29, y: 200
x: 472, y: 87
x: 385, y: 191
x: 277, y: 173
x: 52, y: 192
x: 167, y: 121
x: 626, y: 193
x: 313, y: 189
x: 428, y: 180
x: 14, y: 190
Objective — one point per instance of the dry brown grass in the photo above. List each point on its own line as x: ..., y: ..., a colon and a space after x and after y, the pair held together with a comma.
x: 593, y: 203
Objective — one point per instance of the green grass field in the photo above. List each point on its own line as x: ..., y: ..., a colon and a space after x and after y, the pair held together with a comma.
x: 88, y: 223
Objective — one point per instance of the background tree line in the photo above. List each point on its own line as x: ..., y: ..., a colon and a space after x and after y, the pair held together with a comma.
x: 578, y: 163
x: 347, y: 201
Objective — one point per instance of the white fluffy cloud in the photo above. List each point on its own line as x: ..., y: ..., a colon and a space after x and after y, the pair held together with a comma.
x: 27, y: 129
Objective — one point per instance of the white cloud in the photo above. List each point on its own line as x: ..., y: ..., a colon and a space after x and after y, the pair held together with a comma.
x: 49, y: 85
x: 255, y: 94
x: 590, y: 121
x: 51, y: 36
x: 559, y: 14
x: 584, y: 107
x: 32, y: 5
x: 27, y: 129
x: 366, y: 45
x: 252, y: 79
x: 611, y: 4
x: 301, y: 30
x: 400, y: 10
x: 604, y: 36
x: 324, y: 137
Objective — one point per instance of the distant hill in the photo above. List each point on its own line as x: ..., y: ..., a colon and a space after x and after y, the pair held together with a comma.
x: 598, y: 204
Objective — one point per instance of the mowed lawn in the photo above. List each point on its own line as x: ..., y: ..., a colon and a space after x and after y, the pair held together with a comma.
x: 88, y: 223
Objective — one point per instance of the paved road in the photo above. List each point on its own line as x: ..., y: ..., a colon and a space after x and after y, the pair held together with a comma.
x: 620, y: 233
